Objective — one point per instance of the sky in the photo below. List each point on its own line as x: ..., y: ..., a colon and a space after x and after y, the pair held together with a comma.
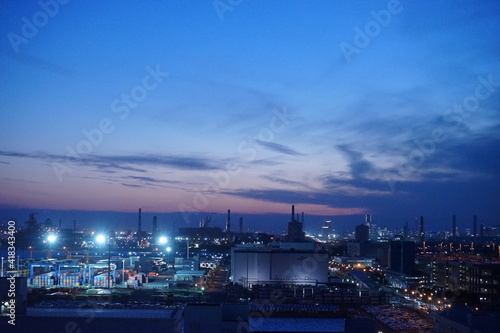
x: 343, y: 108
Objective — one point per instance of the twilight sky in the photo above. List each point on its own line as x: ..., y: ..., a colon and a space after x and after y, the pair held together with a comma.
x: 340, y: 107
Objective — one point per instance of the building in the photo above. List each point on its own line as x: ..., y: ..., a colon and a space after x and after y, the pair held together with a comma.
x: 264, y: 265
x: 295, y: 232
x: 215, y: 318
x: 463, y: 319
x: 362, y: 233
x: 402, y: 256
x: 481, y: 279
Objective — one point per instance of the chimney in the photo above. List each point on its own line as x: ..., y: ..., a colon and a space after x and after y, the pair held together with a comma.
x: 241, y: 225
x: 368, y: 219
x: 293, y: 213
x: 228, y: 222
x: 139, y: 227
x: 155, y: 225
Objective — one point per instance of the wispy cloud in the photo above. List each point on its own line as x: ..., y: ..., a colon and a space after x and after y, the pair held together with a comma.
x: 278, y: 148
x: 283, y: 181
x: 126, y: 162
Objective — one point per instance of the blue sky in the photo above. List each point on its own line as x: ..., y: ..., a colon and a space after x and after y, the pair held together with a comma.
x: 252, y: 107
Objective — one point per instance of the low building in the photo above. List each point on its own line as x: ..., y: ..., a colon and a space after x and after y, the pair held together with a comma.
x: 465, y: 320
x: 265, y: 265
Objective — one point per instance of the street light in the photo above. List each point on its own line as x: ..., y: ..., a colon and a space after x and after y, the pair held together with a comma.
x: 168, y: 249
x: 101, y: 239
x: 163, y: 240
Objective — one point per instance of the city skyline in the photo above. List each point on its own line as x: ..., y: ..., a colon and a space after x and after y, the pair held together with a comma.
x: 386, y: 108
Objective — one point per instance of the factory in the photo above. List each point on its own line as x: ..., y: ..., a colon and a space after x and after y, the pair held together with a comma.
x: 294, y: 261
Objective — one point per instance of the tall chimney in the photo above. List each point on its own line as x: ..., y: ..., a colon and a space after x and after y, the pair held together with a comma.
x: 368, y: 219
x: 228, y: 222
x: 241, y: 225
x: 155, y: 225
x: 454, y: 226
x: 139, y: 227
x: 293, y: 213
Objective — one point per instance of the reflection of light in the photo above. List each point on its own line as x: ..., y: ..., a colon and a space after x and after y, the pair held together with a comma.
x: 169, y: 249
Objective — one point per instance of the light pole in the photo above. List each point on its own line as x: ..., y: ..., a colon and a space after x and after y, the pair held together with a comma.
x: 168, y: 254
x: 102, y: 239
x: 2, y: 268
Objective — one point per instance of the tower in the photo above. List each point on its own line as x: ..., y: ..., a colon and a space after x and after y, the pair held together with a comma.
x: 228, y: 221
x: 241, y: 225
x: 139, y: 226
x: 155, y: 225
x: 422, y: 232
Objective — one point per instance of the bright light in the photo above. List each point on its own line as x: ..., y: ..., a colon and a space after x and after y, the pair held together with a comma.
x: 169, y: 249
x: 51, y: 238
x: 163, y: 240
x: 100, y: 239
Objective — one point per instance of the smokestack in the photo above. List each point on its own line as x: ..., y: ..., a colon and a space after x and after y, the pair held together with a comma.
x: 293, y: 212
x: 474, y: 219
x: 155, y: 225
x: 139, y: 227
x: 228, y: 222
x: 422, y: 233
x: 454, y: 226
x: 368, y: 219
x: 241, y: 225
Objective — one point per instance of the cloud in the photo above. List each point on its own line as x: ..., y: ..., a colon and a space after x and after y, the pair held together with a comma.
x: 41, y: 63
x: 133, y: 185
x: 285, y: 181
x: 358, y: 164
x: 278, y: 148
x: 126, y: 162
